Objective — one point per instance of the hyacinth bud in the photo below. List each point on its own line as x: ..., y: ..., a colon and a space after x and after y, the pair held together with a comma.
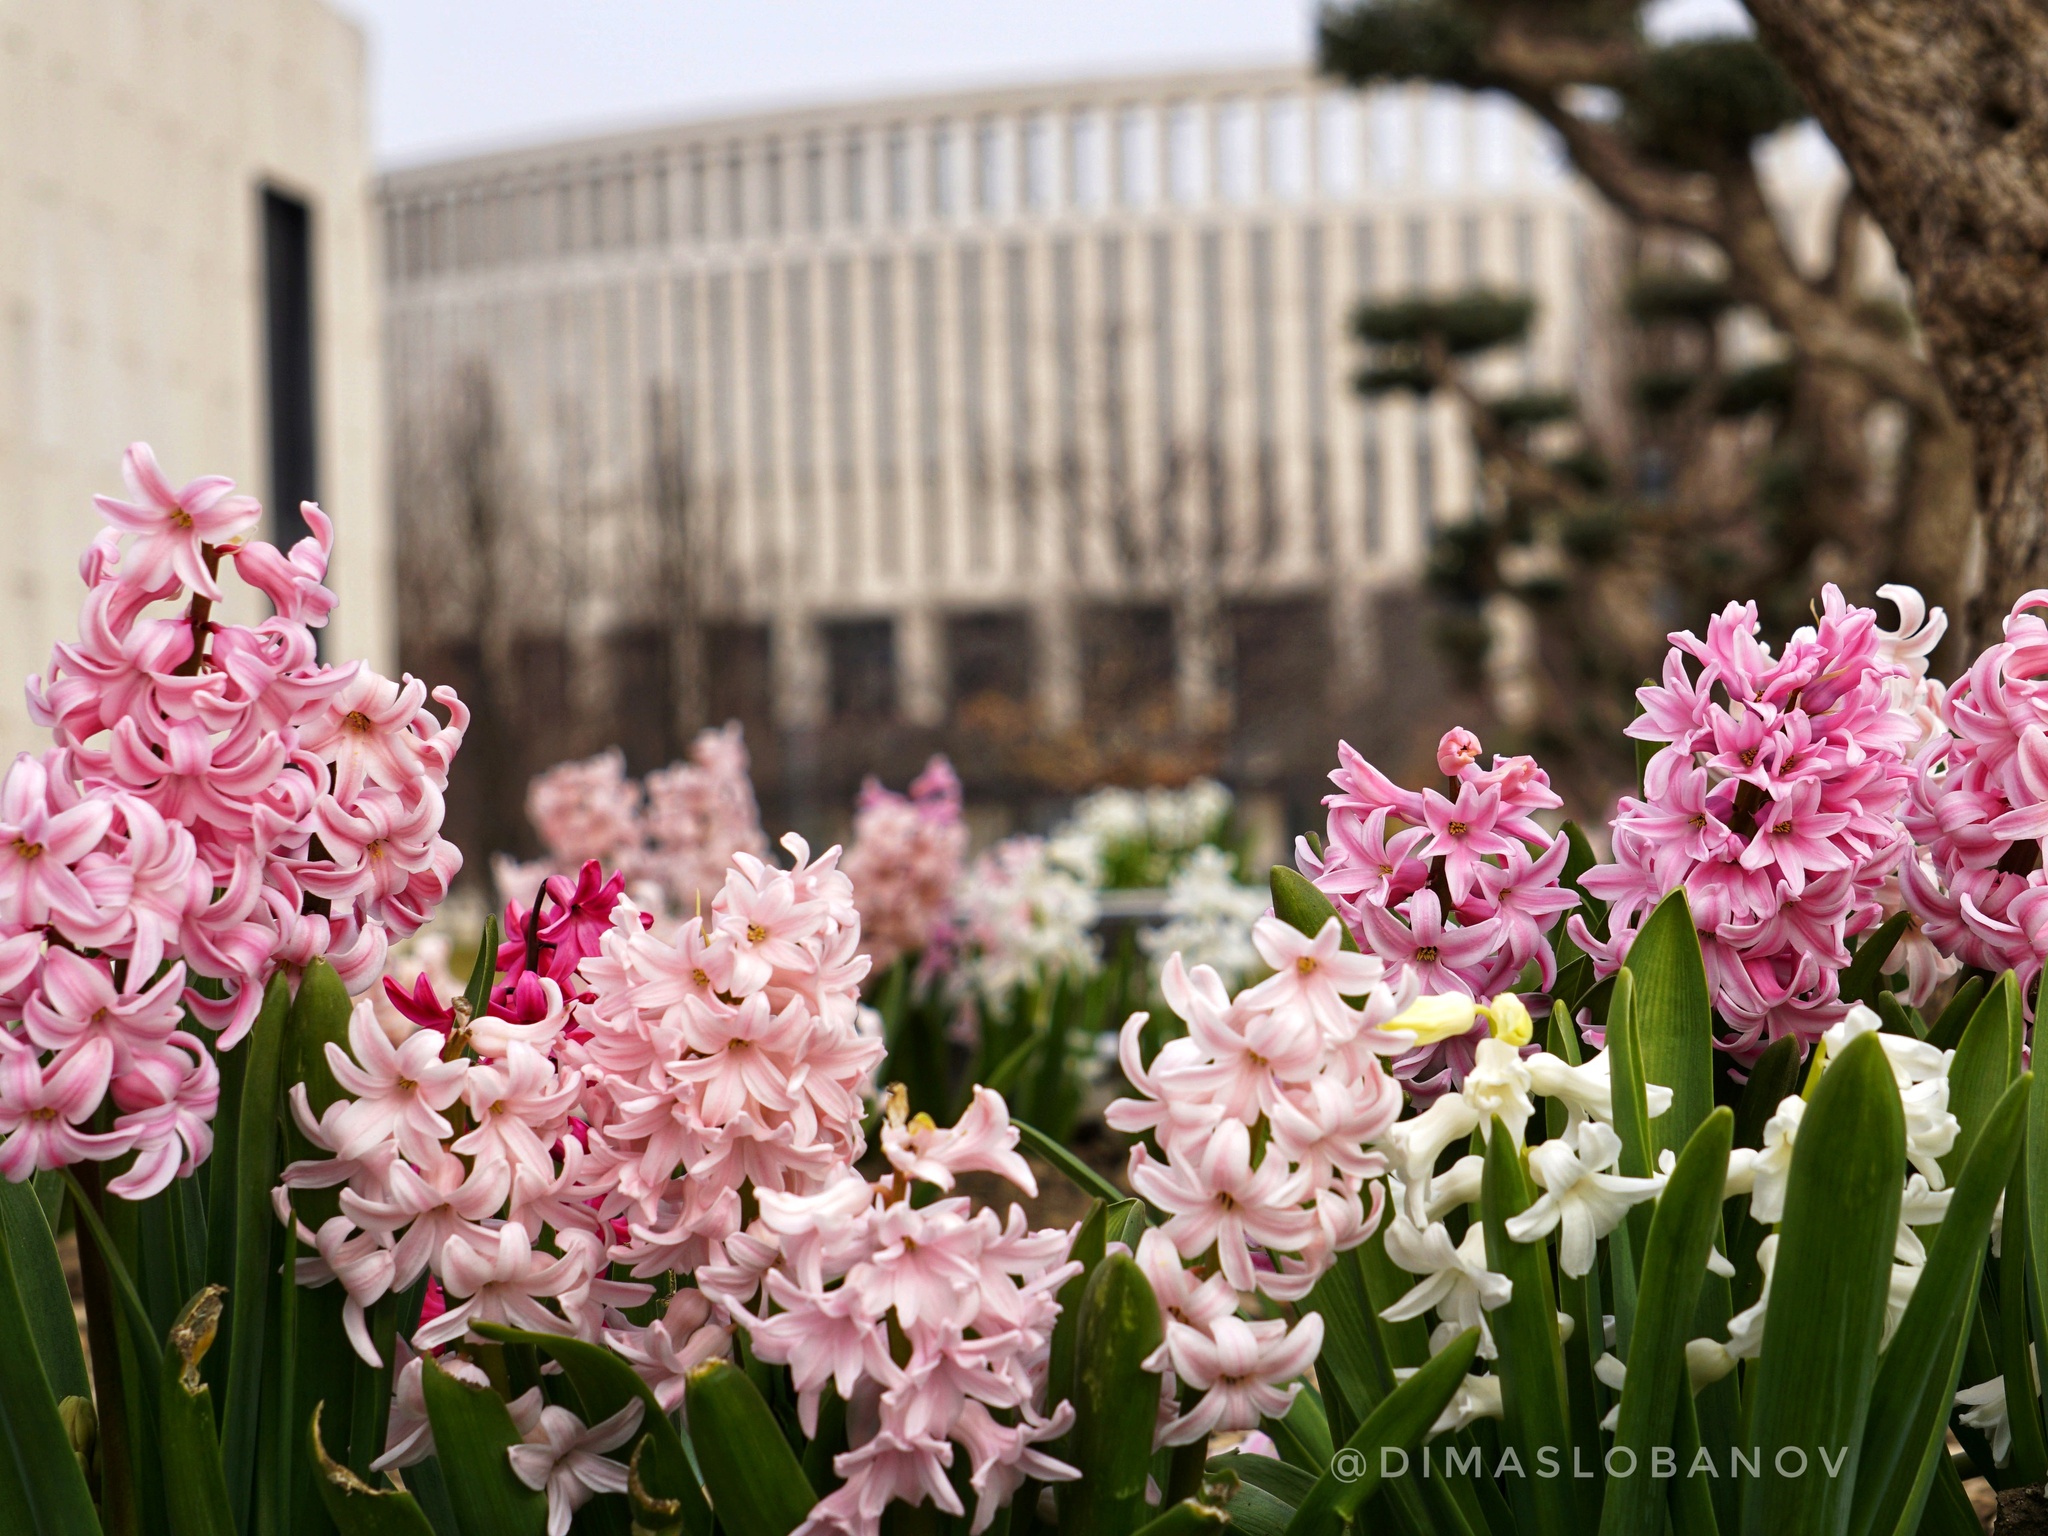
x: 1458, y: 748
x: 1444, y: 1016
x: 1509, y: 1019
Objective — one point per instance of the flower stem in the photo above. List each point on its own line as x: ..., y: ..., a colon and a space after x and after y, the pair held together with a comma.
x: 118, y: 1512
x: 146, y: 1344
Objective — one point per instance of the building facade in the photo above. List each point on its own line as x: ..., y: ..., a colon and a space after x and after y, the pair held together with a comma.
x: 1025, y: 412
x: 192, y: 266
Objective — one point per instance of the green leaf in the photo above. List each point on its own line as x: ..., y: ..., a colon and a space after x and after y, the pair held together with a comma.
x: 2035, y: 1160
x: 48, y: 1479
x: 1628, y: 1077
x: 1397, y: 1424
x: 26, y: 1234
x: 1115, y: 1402
x: 247, y: 1223
x: 1674, y: 1028
x: 472, y: 1432
x: 1983, y: 1068
x: 1895, y: 1018
x: 1828, y: 1294
x: 354, y: 1506
x: 1682, y: 1232
x: 1353, y: 1351
x: 2029, y: 1457
x: 1189, y: 1517
x: 1286, y: 1482
x: 1773, y: 1079
x: 652, y: 1514
x: 1125, y: 1223
x: 485, y: 971
x: 1089, y: 1245
x: 1086, y: 1178
x: 1909, y: 1406
x: 1256, y: 1512
x: 1578, y: 859
x: 1303, y: 1435
x: 1949, y: 1511
x: 1947, y: 1031
x: 605, y: 1383
x: 195, y: 1497
x: 1536, y: 1413
x: 133, y: 1313
x: 1301, y: 906
x: 756, y: 1483
x: 1864, y: 979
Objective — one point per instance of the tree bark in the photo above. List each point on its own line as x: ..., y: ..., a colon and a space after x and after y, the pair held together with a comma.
x: 1941, y: 111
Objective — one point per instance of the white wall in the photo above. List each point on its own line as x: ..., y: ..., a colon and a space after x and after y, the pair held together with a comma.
x: 134, y: 135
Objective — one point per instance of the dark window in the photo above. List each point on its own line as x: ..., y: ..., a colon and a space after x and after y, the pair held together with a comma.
x: 1279, y: 655
x: 1127, y: 666
x: 738, y: 682
x: 642, y: 664
x: 288, y: 362
x: 541, y: 721
x: 988, y: 656
x: 860, y: 659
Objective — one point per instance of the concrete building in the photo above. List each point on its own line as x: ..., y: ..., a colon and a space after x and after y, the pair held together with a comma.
x: 185, y: 258
x: 1024, y: 409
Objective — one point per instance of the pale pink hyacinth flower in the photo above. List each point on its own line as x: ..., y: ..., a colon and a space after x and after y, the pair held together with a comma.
x: 1246, y: 1372
x: 1299, y: 1060
x: 1457, y: 751
x: 566, y: 1458
x: 172, y: 526
x: 907, y: 855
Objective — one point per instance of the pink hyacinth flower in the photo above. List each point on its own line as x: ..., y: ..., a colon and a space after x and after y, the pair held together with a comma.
x: 171, y: 525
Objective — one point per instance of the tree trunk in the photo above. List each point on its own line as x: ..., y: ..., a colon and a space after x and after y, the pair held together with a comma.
x: 1938, y: 527
x: 1941, y: 110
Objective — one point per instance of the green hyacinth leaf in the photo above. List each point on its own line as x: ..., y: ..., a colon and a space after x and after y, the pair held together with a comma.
x: 1115, y: 1402
x: 604, y: 1384
x: 195, y: 1494
x: 1398, y: 1424
x: 1827, y: 1299
x: 356, y: 1508
x: 45, y: 1294
x: 755, y: 1481
x: 1682, y: 1232
x: 1536, y: 1410
x: 1985, y: 1065
x: 1908, y: 1423
x: 1301, y: 906
x: 473, y: 1430
x: 1674, y: 1020
x: 43, y: 1488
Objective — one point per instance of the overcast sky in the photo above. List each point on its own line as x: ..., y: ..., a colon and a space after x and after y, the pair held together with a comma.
x: 454, y: 75
x: 451, y: 75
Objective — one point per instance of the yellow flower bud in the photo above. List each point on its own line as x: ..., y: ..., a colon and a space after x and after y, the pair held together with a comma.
x: 1509, y: 1019
x: 1430, y: 1019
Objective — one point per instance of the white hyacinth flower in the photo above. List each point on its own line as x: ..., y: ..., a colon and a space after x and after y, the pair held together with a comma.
x: 1773, y: 1165
x: 1580, y: 1200
x: 1498, y: 1087
x: 1455, y: 1280
x: 1477, y: 1397
x: 1587, y: 1090
x: 1413, y: 1146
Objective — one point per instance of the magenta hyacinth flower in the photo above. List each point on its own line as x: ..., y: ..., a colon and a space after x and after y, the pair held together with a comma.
x: 1453, y: 893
